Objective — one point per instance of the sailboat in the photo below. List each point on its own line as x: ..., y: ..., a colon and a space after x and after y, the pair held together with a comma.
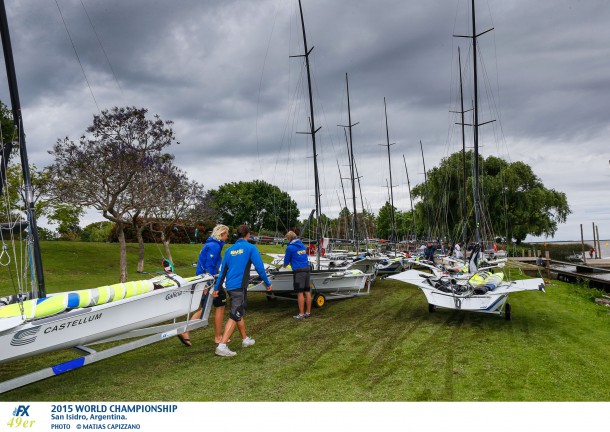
x: 473, y: 289
x: 331, y: 283
x: 36, y: 323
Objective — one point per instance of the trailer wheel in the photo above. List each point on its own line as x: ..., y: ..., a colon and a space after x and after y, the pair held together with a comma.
x: 507, y: 310
x: 431, y: 307
x: 319, y: 300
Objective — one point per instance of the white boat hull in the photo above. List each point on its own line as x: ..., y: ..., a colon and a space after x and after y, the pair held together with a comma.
x: 87, y: 325
x: 326, y: 282
x: 491, y: 302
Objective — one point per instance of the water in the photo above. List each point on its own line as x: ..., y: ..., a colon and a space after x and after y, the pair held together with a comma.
x: 605, y: 253
x: 605, y: 246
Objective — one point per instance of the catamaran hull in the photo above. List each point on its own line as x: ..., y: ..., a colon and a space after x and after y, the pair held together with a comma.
x: 87, y: 325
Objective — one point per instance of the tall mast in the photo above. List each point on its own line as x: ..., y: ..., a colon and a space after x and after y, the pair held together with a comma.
x: 344, y: 204
x: 312, y: 132
x: 342, y: 188
x: 410, y: 196
x: 27, y: 181
x: 421, y: 146
x: 464, y: 212
x: 391, y: 186
x: 351, y: 178
x: 352, y: 170
x: 366, y: 230
x: 476, y: 124
x: 477, y: 233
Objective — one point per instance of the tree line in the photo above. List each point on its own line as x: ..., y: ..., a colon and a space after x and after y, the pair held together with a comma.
x: 121, y: 167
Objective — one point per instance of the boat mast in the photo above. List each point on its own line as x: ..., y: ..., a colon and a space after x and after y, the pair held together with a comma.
x: 344, y: 198
x: 312, y: 132
x: 391, y: 186
x: 351, y: 179
x: 410, y: 196
x: 421, y: 146
x: 477, y: 233
x: 464, y: 213
x: 476, y: 124
x: 366, y: 229
x: 27, y: 181
x: 342, y: 187
x: 352, y: 170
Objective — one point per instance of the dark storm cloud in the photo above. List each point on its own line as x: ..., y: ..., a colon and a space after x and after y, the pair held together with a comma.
x: 221, y: 71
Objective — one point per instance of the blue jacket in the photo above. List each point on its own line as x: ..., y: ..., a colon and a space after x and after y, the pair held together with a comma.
x: 210, y: 257
x: 296, y: 255
x: 235, y: 268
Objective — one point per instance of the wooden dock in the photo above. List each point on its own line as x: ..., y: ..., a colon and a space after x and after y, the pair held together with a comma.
x: 600, y: 263
x: 569, y: 272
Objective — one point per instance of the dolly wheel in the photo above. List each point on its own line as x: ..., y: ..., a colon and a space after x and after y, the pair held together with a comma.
x: 271, y: 297
x: 431, y: 307
x: 319, y: 300
x: 507, y: 310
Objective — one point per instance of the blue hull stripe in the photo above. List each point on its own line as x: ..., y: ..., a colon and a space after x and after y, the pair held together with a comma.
x: 495, y: 303
x: 68, y: 366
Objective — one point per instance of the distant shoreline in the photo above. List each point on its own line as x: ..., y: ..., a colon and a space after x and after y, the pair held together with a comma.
x: 565, y: 241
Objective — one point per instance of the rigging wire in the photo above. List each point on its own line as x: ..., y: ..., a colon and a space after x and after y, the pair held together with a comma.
x: 77, y: 56
x: 260, y: 86
x: 102, y: 48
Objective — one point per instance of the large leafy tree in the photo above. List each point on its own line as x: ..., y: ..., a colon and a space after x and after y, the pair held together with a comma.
x: 403, y: 223
x: 514, y: 201
x: 109, y: 166
x: 257, y: 203
x: 384, y: 221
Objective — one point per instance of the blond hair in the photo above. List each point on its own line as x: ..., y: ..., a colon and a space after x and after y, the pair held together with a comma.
x: 290, y: 235
x: 218, y: 231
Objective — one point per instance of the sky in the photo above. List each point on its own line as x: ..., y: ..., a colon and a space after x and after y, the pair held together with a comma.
x: 222, y: 72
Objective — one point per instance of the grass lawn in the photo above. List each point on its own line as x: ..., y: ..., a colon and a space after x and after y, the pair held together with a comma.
x: 381, y: 347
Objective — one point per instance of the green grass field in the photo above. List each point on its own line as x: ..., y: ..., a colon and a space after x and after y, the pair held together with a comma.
x: 381, y: 347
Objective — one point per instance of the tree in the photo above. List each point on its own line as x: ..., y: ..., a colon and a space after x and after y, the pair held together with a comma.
x: 384, y: 221
x: 67, y: 218
x: 150, y: 197
x: 97, y: 232
x: 13, y: 205
x: 256, y: 203
x: 7, y: 126
x: 8, y: 141
x: 179, y: 196
x: 514, y: 201
x: 102, y: 169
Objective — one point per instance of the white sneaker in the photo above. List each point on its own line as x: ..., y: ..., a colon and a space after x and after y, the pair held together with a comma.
x: 247, y: 342
x: 224, y: 351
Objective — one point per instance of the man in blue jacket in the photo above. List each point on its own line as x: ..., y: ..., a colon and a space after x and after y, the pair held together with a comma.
x: 235, y: 274
x: 296, y: 258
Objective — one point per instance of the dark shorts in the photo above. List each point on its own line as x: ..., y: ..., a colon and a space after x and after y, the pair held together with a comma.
x: 238, y: 304
x: 221, y: 300
x: 301, y: 280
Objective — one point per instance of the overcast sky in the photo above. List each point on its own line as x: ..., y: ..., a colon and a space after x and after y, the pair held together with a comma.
x: 221, y: 71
